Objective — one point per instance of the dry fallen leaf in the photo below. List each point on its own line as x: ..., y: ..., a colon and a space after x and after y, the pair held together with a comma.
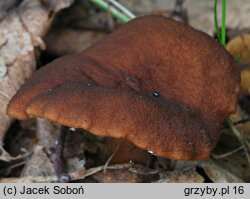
x: 122, y: 176
x: 240, y: 47
x: 21, y: 30
x: 178, y: 177
x: 218, y: 174
x: 39, y: 164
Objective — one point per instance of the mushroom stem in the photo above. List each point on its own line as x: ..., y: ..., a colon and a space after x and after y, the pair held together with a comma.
x: 57, y: 156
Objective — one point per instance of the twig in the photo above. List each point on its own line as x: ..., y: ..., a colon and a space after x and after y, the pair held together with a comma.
x: 247, y: 143
x: 5, y: 156
x: 227, y: 154
x: 111, y: 157
x: 242, y: 121
x: 13, y: 167
x: 234, y: 129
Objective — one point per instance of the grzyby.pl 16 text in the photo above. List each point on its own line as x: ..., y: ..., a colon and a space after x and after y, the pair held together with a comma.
x: 201, y: 191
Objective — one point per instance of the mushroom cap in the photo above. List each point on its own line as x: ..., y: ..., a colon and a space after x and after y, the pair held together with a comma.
x: 107, y: 89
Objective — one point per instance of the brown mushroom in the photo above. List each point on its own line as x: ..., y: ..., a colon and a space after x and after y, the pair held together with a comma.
x: 159, y: 83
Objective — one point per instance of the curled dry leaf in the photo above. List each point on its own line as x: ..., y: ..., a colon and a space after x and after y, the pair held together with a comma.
x: 20, y: 31
x: 240, y: 47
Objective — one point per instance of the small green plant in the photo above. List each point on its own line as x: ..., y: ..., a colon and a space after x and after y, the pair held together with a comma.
x: 115, y: 9
x: 220, y: 36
